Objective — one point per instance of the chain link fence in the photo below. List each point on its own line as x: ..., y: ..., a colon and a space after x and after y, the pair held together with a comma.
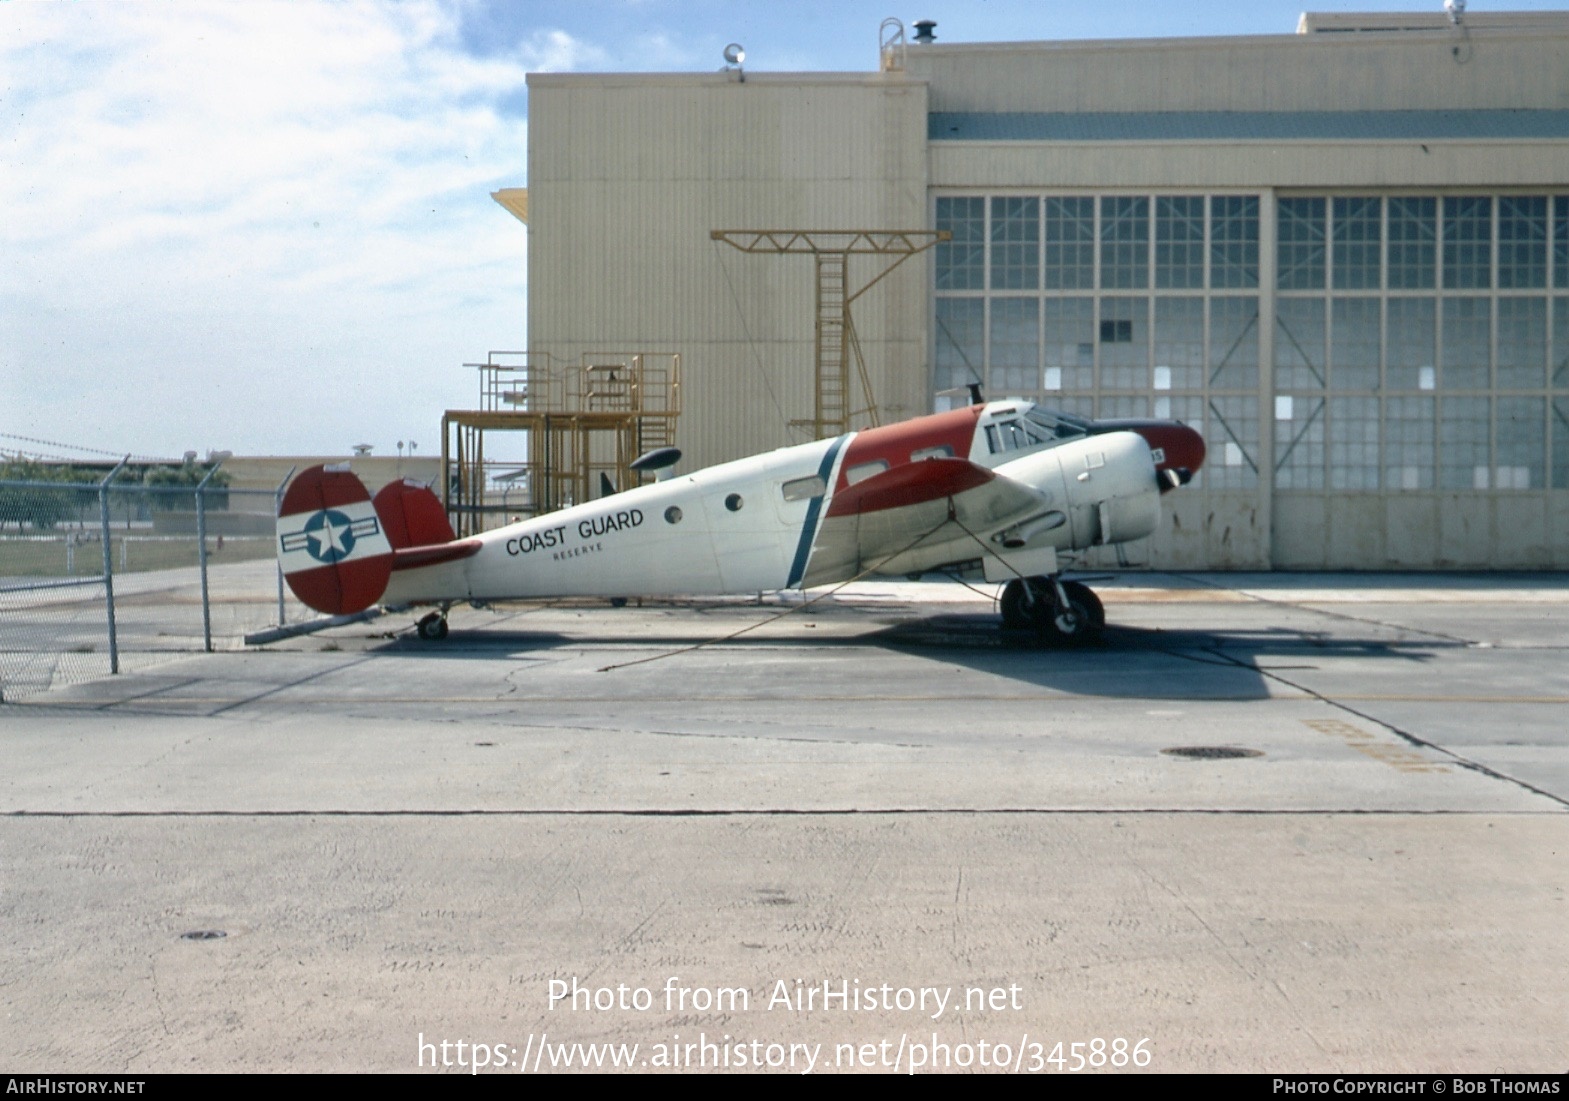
x: 98, y: 577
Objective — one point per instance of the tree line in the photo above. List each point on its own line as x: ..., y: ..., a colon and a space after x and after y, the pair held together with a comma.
x: 59, y: 492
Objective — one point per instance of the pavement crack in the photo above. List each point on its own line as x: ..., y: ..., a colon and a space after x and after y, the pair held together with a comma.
x: 1315, y: 610
x: 158, y: 997
x: 275, y: 690
x: 1252, y: 973
x: 1407, y: 736
x: 958, y: 895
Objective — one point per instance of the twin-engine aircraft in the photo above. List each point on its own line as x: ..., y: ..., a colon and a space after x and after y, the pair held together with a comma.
x: 1000, y: 490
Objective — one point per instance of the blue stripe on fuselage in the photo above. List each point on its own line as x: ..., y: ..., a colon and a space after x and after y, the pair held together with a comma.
x: 803, y: 549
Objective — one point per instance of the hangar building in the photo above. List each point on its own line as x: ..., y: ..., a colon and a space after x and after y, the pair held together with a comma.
x: 1343, y: 252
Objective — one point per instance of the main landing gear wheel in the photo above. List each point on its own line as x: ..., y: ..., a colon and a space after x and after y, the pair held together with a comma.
x: 1039, y: 608
x: 1017, y: 610
x: 433, y: 628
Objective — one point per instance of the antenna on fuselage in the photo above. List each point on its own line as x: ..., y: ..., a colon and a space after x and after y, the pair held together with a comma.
x: 975, y: 394
x: 659, y: 461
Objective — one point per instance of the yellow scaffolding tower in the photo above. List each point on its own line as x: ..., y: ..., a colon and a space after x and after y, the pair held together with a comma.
x: 586, y: 423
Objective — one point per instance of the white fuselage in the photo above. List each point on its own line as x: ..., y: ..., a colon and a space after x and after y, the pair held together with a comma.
x: 751, y: 526
x: 674, y: 536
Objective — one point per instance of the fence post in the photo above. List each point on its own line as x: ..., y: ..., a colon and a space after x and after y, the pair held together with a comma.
x: 277, y: 508
x: 103, y: 516
x: 201, y: 551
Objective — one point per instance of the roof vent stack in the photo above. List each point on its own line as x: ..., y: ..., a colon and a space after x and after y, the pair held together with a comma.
x: 925, y: 31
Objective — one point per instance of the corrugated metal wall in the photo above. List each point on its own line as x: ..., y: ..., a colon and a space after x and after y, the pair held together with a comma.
x: 1319, y: 72
x: 628, y: 176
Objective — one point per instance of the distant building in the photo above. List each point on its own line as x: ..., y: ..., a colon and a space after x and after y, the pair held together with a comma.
x: 258, y: 473
x: 1343, y: 252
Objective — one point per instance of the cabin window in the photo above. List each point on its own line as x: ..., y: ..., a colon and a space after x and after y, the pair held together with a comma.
x: 941, y: 451
x: 862, y: 471
x: 803, y: 489
x: 733, y: 502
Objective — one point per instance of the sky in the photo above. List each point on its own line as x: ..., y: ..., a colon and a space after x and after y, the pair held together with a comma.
x: 267, y: 227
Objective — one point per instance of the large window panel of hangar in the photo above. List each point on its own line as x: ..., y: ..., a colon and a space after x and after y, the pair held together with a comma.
x: 1464, y: 428
x: 961, y: 261
x: 1125, y: 344
x: 1410, y: 442
x: 1070, y: 243
x: 1179, y: 345
x: 1015, y: 343
x: 1015, y: 244
x: 1559, y: 430
x: 1357, y: 234
x: 1233, y: 242
x: 1521, y: 449
x: 1413, y: 242
x: 1125, y: 305
x: 1560, y: 235
x: 1068, y: 346
x: 960, y: 346
x: 1558, y: 370
x: 1179, y: 241
x: 1418, y: 343
x: 1124, y: 242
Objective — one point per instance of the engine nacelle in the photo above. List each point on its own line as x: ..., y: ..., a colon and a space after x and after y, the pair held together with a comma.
x: 1109, y: 492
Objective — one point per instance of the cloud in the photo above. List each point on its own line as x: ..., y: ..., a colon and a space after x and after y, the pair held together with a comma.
x: 556, y: 51
x: 264, y: 227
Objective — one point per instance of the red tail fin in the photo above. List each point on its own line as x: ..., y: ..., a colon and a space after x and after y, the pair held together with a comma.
x: 331, y: 545
x: 412, y: 516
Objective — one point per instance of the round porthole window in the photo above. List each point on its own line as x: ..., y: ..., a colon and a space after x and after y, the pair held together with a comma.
x: 733, y: 502
x: 672, y: 515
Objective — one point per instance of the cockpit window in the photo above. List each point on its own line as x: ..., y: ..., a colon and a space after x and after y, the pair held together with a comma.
x: 1014, y: 435
x: 1057, y: 425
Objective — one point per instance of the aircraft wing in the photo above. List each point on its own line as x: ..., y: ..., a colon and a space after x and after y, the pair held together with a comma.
x: 889, y: 514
